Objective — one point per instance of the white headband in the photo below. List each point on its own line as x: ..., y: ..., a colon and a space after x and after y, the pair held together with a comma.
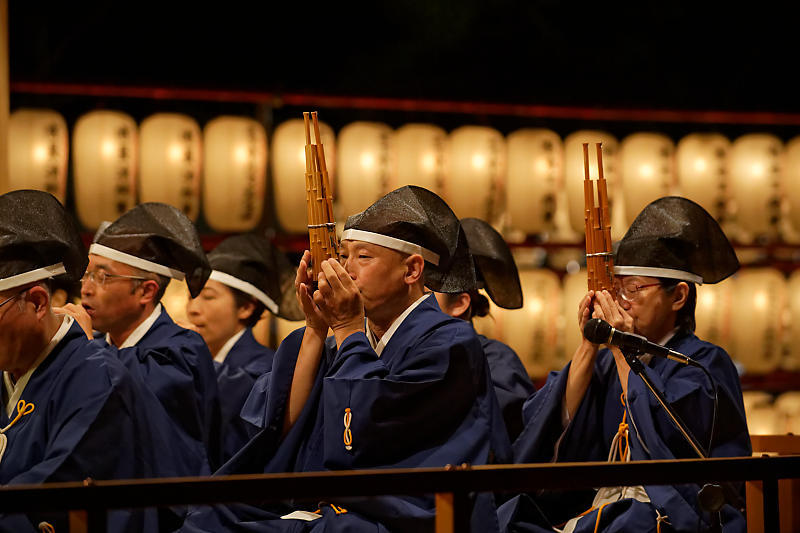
x: 249, y: 288
x: 655, y: 272
x: 390, y: 242
x: 32, y: 275
x: 138, y: 262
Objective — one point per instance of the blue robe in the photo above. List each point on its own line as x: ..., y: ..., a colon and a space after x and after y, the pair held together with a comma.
x: 427, y: 401
x: 246, y: 361
x: 512, y: 385
x: 177, y: 367
x: 652, y: 436
x: 84, y: 400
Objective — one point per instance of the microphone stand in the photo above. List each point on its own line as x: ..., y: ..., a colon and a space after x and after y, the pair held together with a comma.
x: 711, y: 497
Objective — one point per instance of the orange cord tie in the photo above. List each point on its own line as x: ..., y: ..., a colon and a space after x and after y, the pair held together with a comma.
x: 348, y: 435
x: 659, y: 519
x: 599, y: 512
x: 23, y: 408
x: 46, y: 527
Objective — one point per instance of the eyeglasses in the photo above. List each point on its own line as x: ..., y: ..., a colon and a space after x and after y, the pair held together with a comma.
x: 4, y: 302
x: 629, y: 290
x: 100, y: 277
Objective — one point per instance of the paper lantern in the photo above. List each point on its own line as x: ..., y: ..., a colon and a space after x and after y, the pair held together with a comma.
x: 574, y: 175
x: 235, y: 163
x: 648, y: 170
x: 715, y: 305
x: 38, y: 151
x: 757, y: 323
x: 788, y: 407
x: 764, y: 421
x: 288, y: 171
x: 535, y: 174
x: 790, y: 182
x: 364, y: 165
x: 574, y: 288
x: 419, y: 157
x: 175, y: 300
x: 701, y: 160
x: 754, y: 178
x: 105, y: 150
x: 171, y: 161
x: 792, y: 339
x: 477, y: 167
x: 532, y: 331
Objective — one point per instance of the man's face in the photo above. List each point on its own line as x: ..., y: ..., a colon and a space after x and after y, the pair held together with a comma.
x: 114, y: 303
x: 17, y: 321
x: 378, y: 272
x: 650, y: 306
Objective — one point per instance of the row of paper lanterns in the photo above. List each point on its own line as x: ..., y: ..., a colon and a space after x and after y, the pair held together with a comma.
x: 754, y: 316
x: 768, y: 415
x: 530, y: 180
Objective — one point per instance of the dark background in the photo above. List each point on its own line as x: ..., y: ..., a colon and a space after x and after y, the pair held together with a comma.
x: 651, y: 55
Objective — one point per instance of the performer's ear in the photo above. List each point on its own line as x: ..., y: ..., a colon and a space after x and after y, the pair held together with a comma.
x: 415, y: 265
x: 680, y: 295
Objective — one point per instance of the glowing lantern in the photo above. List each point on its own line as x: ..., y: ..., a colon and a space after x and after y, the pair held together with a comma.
x: 38, y: 151
x: 235, y: 163
x: 288, y: 171
x: 170, y: 162
x: 175, y: 300
x: 574, y: 174
x: 757, y: 326
x: 420, y: 157
x: 105, y: 152
x: 701, y: 161
x: 791, y: 181
x: 792, y: 361
x: 364, y: 165
x: 531, y: 331
x: 713, y: 312
x: 573, y: 291
x: 648, y: 170
x: 477, y: 166
x: 754, y: 176
x: 535, y: 174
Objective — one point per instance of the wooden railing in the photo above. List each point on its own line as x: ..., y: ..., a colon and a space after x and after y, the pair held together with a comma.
x: 88, y: 501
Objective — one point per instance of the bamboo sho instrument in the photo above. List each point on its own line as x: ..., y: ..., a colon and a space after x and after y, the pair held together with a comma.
x: 319, y: 200
x: 599, y: 256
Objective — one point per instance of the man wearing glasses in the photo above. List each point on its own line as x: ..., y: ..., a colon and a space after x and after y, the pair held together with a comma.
x: 596, y: 410
x: 130, y: 264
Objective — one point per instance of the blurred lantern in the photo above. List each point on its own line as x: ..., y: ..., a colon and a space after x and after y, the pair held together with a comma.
x: 38, y: 151
x: 105, y: 150
x: 764, y: 421
x: 262, y: 330
x: 702, y: 165
x: 574, y: 289
x: 289, y: 167
x: 532, y: 331
x: 791, y: 182
x: 757, y: 324
x: 754, y: 178
x: 788, y: 407
x: 535, y: 175
x: 420, y: 157
x: 648, y: 170
x: 170, y: 162
x: 715, y: 305
x: 574, y: 175
x: 792, y: 340
x: 235, y: 166
x: 364, y: 165
x: 477, y: 167
x: 175, y: 300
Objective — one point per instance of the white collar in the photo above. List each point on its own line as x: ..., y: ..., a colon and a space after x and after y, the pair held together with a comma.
x: 14, y: 390
x: 223, y: 352
x: 140, y: 331
x: 379, y: 345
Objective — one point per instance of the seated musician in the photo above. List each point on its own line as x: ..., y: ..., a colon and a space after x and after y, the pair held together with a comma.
x: 595, y: 409
x: 399, y: 384
x: 247, y: 278
x: 497, y: 274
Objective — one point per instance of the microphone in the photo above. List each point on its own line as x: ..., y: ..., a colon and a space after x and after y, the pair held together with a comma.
x: 601, y: 332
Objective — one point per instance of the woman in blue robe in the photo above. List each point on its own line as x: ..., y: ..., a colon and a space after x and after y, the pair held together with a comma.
x: 594, y: 407
x: 248, y: 277
x: 407, y: 388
